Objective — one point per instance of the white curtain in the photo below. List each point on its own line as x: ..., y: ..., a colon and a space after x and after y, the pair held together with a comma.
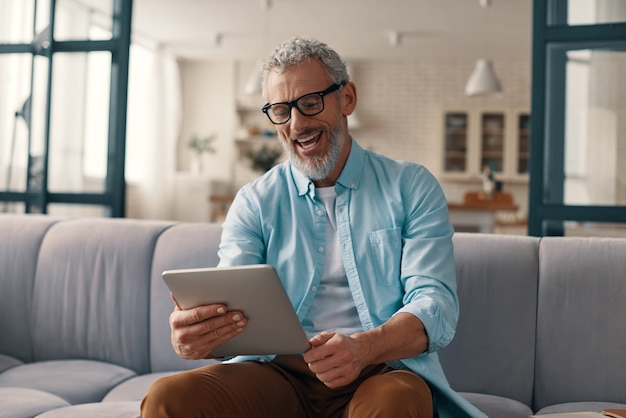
x: 154, y: 115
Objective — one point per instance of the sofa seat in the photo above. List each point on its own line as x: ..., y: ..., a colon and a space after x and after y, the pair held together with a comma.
x: 134, y: 388
x: 497, y: 406
x: 8, y: 362
x: 590, y: 406
x: 123, y: 409
x: 75, y: 381
x: 22, y: 402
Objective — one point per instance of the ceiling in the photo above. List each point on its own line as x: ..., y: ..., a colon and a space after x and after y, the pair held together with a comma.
x: 357, y: 29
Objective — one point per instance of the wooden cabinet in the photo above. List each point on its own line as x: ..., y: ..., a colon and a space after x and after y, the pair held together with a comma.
x: 495, y: 138
x: 523, y: 143
x: 456, y: 139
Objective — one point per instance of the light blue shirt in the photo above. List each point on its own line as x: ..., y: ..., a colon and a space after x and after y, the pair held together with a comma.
x: 396, y: 243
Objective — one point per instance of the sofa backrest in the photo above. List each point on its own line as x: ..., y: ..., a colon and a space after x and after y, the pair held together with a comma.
x: 20, y: 243
x: 494, y: 346
x: 187, y: 245
x: 581, y: 321
x: 91, y: 291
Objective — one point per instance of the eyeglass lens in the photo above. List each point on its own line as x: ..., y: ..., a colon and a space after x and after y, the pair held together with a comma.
x: 308, y: 105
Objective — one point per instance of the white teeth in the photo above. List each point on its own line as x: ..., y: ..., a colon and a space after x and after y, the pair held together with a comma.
x: 307, y: 139
x: 308, y: 146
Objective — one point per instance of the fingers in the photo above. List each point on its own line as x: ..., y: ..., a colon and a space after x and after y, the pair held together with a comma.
x: 200, y: 347
x: 196, y: 332
x: 175, y: 302
x: 332, y: 359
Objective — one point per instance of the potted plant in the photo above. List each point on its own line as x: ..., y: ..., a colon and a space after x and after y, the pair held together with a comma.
x: 263, y: 158
x: 199, y: 147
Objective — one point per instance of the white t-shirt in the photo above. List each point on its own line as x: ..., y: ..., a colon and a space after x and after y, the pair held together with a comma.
x: 333, y: 308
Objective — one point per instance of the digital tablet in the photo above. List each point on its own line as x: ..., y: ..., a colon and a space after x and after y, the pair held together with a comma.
x: 273, y: 326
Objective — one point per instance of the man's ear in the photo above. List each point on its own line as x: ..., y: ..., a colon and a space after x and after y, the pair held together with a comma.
x: 348, y: 98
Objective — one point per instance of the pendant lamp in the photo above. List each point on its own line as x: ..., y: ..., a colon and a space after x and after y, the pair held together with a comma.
x: 483, y: 80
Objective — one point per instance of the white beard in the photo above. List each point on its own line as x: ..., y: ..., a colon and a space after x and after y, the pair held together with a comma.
x: 319, y: 167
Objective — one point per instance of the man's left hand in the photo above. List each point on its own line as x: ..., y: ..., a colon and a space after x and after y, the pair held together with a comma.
x: 336, y: 359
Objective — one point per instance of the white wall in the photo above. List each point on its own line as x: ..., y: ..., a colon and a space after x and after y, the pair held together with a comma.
x: 208, y: 108
x: 400, y: 107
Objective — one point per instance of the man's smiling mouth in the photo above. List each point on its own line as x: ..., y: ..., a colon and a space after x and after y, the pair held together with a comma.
x: 309, y: 141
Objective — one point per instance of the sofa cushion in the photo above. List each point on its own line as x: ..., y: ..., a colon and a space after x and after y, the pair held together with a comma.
x: 7, y: 362
x: 19, y: 248
x: 581, y: 332
x: 128, y: 409
x: 76, y: 381
x: 495, y: 338
x: 91, y: 291
x: 497, y: 406
x: 187, y: 245
x: 580, y: 407
x: 18, y: 402
x: 134, y: 389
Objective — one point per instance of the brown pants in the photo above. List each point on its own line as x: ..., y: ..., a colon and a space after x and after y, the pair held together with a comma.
x: 285, y: 388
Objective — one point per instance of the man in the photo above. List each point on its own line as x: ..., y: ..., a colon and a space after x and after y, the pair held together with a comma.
x: 363, y: 247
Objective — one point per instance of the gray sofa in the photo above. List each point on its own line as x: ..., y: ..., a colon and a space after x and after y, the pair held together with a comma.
x: 84, y: 317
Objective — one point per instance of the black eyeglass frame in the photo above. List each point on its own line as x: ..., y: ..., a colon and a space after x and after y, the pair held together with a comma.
x: 294, y: 103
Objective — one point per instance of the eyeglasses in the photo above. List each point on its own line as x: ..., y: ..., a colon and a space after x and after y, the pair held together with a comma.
x: 309, y: 105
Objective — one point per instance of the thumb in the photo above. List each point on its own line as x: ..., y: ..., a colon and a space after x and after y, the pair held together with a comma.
x: 321, y: 338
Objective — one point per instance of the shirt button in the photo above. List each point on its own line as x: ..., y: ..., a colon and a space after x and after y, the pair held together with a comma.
x: 353, y: 185
x: 320, y: 213
x: 320, y: 249
x: 313, y: 289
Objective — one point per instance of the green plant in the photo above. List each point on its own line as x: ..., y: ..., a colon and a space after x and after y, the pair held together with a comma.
x: 263, y: 158
x: 202, y: 145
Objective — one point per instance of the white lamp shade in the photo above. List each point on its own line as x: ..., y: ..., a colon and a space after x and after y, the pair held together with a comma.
x: 483, y: 80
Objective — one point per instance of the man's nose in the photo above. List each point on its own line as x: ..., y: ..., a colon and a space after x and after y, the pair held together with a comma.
x: 297, y: 118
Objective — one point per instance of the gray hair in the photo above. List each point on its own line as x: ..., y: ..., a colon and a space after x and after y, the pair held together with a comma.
x: 297, y: 50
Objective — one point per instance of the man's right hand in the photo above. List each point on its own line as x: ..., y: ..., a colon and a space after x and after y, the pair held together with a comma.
x: 196, y: 332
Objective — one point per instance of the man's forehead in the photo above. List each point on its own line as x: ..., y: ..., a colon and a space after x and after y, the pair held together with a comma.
x: 296, y: 80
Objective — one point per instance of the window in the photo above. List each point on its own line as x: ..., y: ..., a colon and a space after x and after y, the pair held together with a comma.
x: 63, y: 92
x: 578, y: 132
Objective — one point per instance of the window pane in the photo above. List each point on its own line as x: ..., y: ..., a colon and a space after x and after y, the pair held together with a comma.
x: 595, y: 128
x: 83, y: 20
x: 75, y: 211
x: 16, y: 21
x: 15, y: 70
x: 38, y: 124
x: 79, y: 122
x: 589, y: 12
x: 492, y: 142
x: 523, y: 143
x: 456, y: 134
x: 594, y: 229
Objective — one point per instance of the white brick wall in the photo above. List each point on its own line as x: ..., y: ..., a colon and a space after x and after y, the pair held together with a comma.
x: 401, y: 103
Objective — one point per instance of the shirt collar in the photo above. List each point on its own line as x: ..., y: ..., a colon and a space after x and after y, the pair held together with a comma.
x: 350, y: 175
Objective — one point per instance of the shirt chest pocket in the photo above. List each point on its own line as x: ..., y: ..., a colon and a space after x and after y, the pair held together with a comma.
x: 386, y: 254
